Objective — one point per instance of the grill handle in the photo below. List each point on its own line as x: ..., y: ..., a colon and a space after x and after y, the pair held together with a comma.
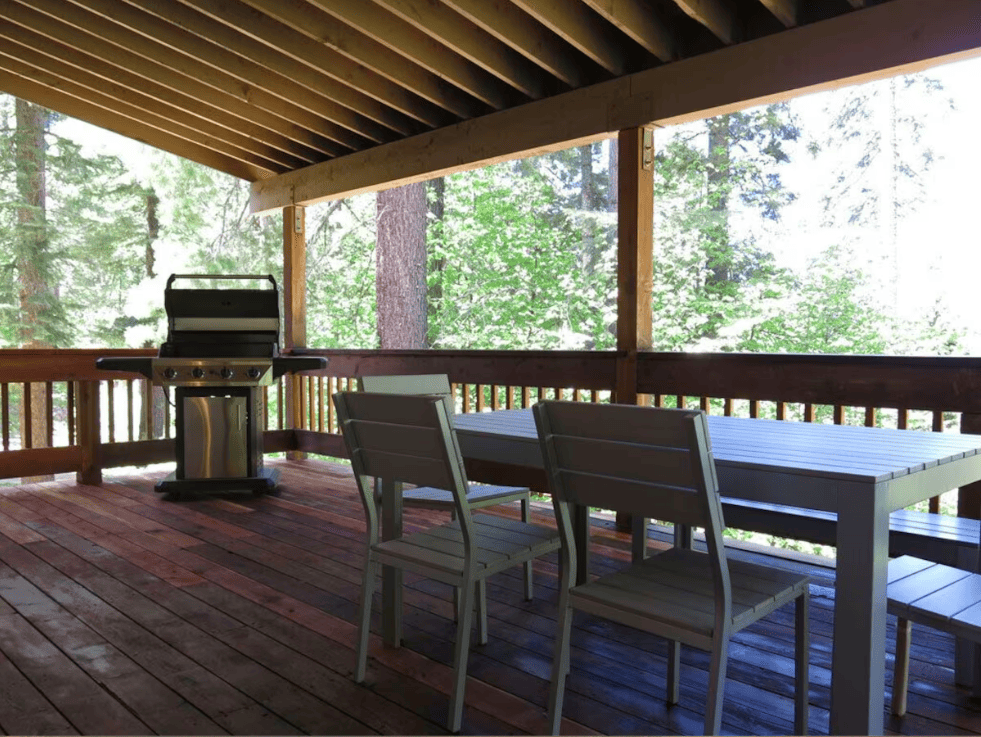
x: 270, y: 277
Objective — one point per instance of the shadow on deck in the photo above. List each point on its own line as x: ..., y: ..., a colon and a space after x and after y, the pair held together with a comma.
x: 126, y: 614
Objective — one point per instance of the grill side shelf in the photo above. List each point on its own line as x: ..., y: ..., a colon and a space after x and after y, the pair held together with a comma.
x: 134, y: 364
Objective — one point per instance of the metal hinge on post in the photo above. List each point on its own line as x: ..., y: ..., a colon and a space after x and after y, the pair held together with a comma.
x: 647, y: 151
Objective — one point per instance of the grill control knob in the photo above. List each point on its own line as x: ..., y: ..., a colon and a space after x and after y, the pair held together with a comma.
x: 170, y: 373
x: 227, y: 373
x: 254, y: 373
x: 197, y: 373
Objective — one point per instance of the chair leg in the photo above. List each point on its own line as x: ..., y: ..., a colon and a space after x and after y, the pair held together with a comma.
x: 560, y: 664
x: 900, y: 679
x: 364, y: 617
x: 674, y: 672
x: 482, y: 611
x: 717, y: 683
x: 529, y: 583
x: 802, y: 647
x: 460, y: 654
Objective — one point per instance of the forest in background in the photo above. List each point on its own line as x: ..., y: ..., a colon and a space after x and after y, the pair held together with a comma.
x: 517, y: 255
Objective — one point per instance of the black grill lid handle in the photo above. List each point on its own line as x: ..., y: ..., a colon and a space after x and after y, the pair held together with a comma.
x: 270, y: 277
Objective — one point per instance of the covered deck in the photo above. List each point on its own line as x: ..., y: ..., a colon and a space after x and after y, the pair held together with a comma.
x: 127, y: 614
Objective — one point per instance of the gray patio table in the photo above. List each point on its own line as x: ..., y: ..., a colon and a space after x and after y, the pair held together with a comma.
x: 860, y: 473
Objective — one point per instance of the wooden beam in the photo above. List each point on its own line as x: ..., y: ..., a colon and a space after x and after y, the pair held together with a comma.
x: 510, y: 25
x: 365, y: 51
x: 909, y: 36
x: 471, y: 42
x: 639, y: 21
x: 635, y: 255
x: 786, y: 11
x: 716, y: 15
x: 87, y: 432
x: 418, y: 48
x: 576, y: 24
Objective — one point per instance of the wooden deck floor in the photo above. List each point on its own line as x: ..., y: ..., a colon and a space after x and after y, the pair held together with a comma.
x: 126, y: 614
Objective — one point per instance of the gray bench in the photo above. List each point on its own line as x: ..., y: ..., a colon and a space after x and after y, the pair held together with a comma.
x: 951, y: 541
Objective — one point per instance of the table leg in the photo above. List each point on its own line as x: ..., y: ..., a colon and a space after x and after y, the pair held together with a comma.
x: 391, y: 495
x: 859, y: 650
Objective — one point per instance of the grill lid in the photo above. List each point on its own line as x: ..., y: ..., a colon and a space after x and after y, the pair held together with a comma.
x: 213, y: 323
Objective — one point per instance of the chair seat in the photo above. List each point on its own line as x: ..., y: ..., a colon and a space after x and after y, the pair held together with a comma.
x: 501, y: 543
x: 676, y: 588
x: 479, y: 495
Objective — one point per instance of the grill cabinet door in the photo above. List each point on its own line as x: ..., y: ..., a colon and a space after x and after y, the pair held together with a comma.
x: 215, y: 437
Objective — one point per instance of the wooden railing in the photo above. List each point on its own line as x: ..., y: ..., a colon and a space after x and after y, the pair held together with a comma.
x: 82, y: 416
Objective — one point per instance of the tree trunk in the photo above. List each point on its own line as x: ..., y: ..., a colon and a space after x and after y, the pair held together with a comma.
x: 152, y: 425
x: 31, y: 260
x: 400, y: 276
x: 437, y: 263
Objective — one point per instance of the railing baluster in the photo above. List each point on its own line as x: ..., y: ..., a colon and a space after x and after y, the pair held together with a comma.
x: 70, y: 389
x: 704, y: 404
x: 727, y: 407
x: 680, y: 401
x: 28, y: 435
x: 168, y: 431
x: 111, y: 404
x: 781, y: 410
x: 810, y: 413
x: 754, y: 408
x: 49, y: 411
x: 870, y: 417
x: 279, y: 405
x: 466, y: 399
x: 594, y: 396
x: 321, y: 403
x: 5, y: 412
x: 839, y: 414
x: 129, y: 409
x: 902, y: 419
x: 509, y: 397
x: 495, y: 399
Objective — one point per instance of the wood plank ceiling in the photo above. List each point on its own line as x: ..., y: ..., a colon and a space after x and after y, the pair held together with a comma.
x: 257, y: 88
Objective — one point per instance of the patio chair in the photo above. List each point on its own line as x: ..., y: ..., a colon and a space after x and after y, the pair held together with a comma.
x: 410, y: 439
x: 478, y: 495
x: 935, y: 595
x: 658, y: 463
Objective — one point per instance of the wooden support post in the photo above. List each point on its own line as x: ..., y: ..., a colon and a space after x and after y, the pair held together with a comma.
x: 87, y: 416
x: 635, y: 263
x: 295, y: 307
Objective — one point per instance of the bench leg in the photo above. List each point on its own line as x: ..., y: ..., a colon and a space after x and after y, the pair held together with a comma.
x: 900, y: 679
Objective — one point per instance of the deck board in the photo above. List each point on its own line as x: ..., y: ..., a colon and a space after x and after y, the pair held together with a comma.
x: 122, y: 613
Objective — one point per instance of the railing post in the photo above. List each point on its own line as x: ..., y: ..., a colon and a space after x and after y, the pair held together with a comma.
x: 87, y: 416
x: 635, y: 263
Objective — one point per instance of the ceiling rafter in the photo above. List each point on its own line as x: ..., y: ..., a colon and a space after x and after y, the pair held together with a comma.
x: 419, y: 48
x: 577, y: 25
x: 123, y: 88
x: 639, y: 21
x: 786, y: 11
x: 471, y: 42
x: 361, y: 49
x: 525, y: 35
x: 716, y: 15
x: 75, y: 37
x: 317, y: 67
x: 183, y: 65
x: 178, y: 47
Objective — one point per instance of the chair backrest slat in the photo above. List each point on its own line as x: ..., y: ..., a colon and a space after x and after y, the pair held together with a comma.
x: 406, y: 384
x: 644, y: 499
x: 670, y: 466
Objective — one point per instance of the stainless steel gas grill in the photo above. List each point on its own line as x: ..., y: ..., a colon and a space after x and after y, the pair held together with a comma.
x: 222, y: 347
